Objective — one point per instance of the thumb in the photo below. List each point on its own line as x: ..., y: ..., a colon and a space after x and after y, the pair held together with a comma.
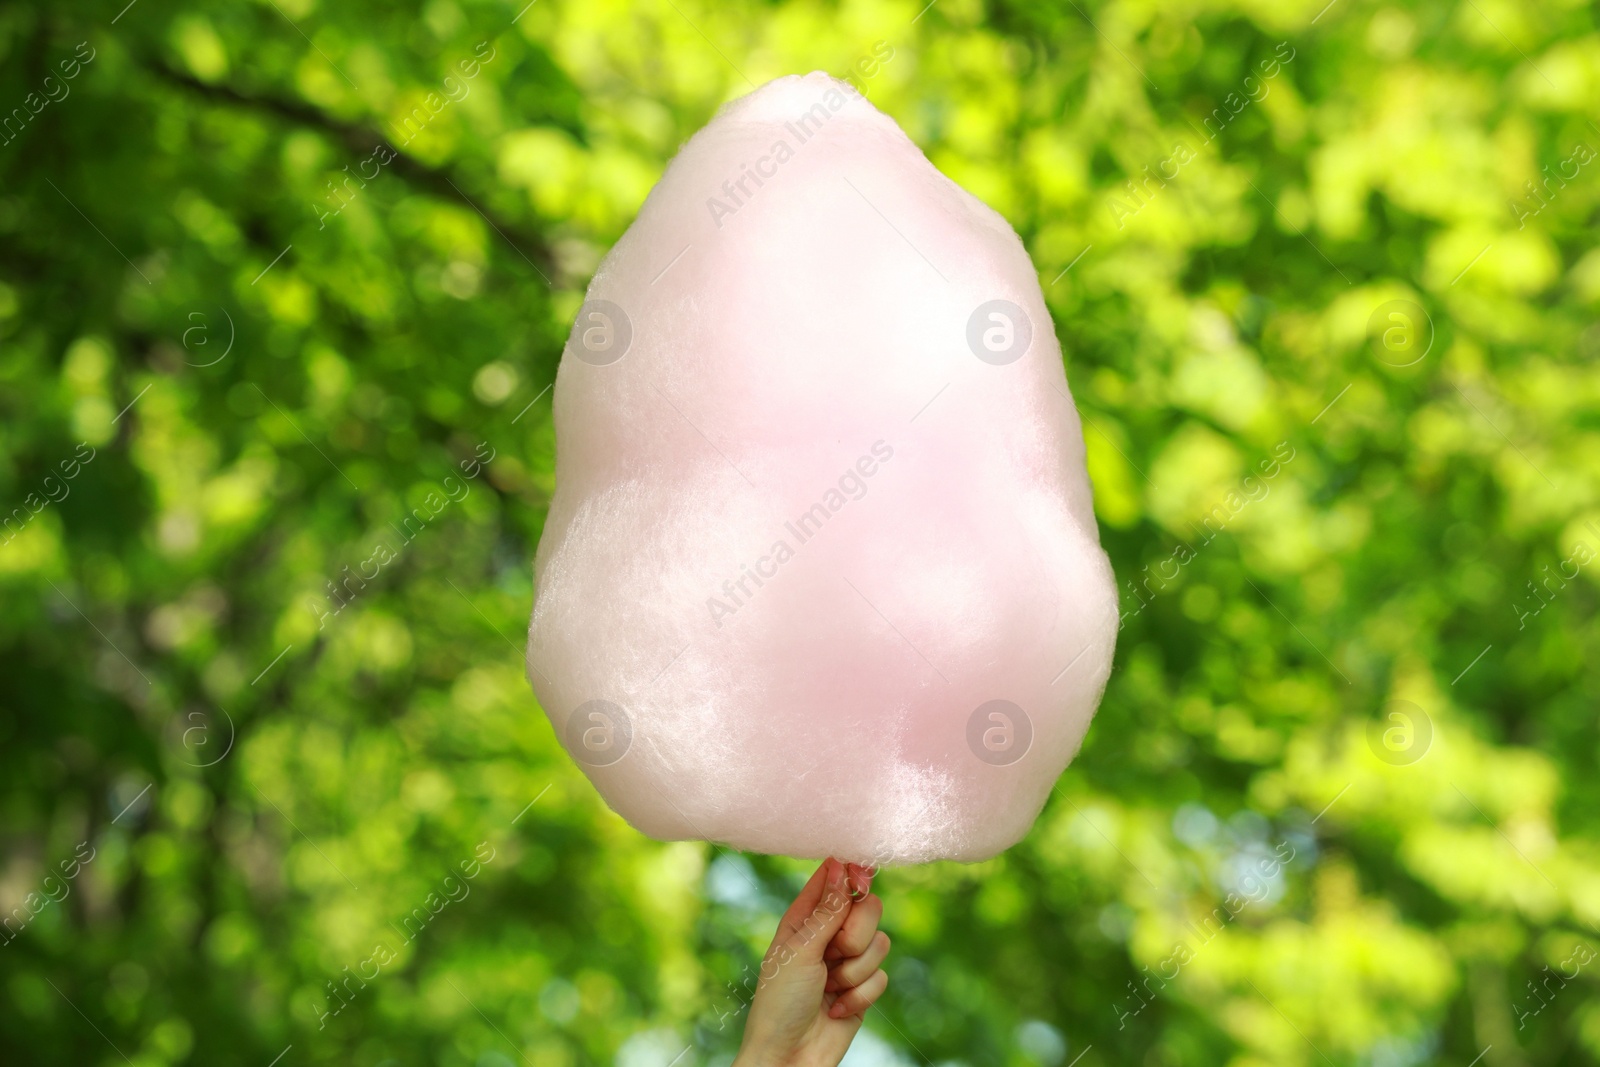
x: 811, y: 938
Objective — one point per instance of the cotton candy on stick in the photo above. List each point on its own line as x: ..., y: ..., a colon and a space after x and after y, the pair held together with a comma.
x: 821, y: 574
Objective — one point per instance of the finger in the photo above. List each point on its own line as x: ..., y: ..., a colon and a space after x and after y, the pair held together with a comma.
x: 859, y: 880
x: 856, y: 1001
x: 816, y: 931
x: 859, y: 926
x: 857, y: 969
x: 804, y: 904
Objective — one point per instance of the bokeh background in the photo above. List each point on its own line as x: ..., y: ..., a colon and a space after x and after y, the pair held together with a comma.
x: 1340, y: 804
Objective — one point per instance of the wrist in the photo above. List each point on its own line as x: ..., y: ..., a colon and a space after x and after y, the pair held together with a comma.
x: 756, y: 1055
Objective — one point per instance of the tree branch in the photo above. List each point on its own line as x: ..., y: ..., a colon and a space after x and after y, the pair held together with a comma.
x: 357, y: 138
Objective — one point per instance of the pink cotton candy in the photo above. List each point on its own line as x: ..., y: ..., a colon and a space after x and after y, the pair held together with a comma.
x: 821, y: 574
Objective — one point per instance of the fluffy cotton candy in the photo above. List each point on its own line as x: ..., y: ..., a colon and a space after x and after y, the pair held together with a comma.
x: 821, y: 574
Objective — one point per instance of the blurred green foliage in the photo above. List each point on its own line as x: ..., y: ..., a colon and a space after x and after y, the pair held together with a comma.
x: 254, y: 310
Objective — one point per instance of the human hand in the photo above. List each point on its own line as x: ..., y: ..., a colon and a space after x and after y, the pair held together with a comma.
x: 822, y: 973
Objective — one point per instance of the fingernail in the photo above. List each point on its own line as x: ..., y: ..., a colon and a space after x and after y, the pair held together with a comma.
x: 860, y: 881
